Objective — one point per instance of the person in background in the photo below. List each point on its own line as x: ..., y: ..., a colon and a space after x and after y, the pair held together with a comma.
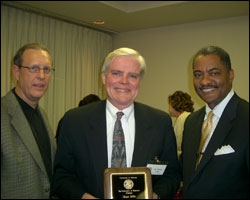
x: 85, y: 101
x: 215, y: 153
x: 180, y: 106
x: 89, y: 99
x: 27, y: 141
x: 86, y: 145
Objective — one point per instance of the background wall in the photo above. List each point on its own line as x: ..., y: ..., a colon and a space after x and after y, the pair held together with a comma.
x: 168, y: 52
x: 77, y: 53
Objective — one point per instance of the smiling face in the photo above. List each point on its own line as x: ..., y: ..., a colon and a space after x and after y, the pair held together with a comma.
x: 32, y: 86
x: 122, y: 81
x: 212, y: 81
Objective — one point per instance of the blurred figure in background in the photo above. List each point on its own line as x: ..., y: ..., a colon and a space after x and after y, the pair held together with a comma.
x: 89, y: 99
x: 180, y: 106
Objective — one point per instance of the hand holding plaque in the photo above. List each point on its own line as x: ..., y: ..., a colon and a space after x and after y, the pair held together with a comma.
x: 127, y: 183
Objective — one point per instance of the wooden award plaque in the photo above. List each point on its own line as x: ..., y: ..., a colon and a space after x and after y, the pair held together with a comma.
x: 128, y: 183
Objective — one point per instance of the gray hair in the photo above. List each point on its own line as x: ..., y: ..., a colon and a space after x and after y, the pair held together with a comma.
x: 124, y: 52
x: 18, y: 58
x: 223, y: 55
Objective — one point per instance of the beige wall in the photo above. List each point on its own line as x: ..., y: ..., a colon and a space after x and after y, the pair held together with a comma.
x: 168, y: 52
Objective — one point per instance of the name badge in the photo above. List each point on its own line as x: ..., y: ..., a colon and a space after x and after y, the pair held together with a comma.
x: 157, y: 169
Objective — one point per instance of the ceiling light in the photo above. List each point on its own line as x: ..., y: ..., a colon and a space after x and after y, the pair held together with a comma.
x: 98, y: 22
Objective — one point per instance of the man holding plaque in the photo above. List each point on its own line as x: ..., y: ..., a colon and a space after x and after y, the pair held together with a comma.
x: 115, y: 133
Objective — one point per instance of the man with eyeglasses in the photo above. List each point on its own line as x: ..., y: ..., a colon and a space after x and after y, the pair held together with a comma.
x: 27, y: 141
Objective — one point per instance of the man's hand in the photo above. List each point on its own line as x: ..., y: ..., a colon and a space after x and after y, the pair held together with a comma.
x: 88, y: 196
x: 155, y: 196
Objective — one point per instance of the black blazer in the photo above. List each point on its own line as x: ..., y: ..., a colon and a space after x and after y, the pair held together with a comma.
x: 81, y: 156
x: 221, y: 176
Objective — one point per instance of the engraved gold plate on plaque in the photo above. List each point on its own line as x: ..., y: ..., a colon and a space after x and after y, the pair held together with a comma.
x: 127, y: 183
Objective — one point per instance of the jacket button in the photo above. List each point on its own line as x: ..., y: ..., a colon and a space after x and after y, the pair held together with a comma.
x: 46, y: 189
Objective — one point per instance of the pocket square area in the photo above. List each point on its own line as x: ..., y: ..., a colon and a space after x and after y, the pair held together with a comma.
x: 226, y: 149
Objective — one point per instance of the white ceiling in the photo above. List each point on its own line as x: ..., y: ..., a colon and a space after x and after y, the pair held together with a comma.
x: 123, y: 16
x: 133, y: 6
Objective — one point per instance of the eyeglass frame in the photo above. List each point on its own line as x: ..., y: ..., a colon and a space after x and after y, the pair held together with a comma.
x: 37, y: 67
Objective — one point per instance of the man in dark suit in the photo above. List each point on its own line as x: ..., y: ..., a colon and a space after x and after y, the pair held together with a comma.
x: 86, y: 134
x: 223, y: 170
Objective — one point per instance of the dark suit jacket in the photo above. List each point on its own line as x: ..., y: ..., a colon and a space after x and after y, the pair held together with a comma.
x: 81, y: 156
x: 221, y: 176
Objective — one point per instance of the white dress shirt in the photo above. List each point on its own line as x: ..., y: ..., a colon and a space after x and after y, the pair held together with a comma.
x: 217, y: 112
x: 128, y: 126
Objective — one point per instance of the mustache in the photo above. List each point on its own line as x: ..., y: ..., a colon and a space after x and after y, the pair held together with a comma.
x: 208, y: 86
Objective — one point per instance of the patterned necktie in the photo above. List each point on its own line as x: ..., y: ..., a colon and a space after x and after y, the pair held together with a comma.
x: 206, y: 130
x: 118, y: 159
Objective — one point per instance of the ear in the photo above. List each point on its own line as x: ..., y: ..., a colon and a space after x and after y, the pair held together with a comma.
x: 103, y: 78
x: 231, y: 75
x: 15, y: 71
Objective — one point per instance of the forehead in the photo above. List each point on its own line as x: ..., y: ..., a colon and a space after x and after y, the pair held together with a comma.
x: 210, y: 60
x: 36, y: 55
x: 125, y: 63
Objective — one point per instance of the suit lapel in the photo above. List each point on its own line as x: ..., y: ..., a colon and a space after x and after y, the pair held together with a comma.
x: 50, y: 133
x: 194, y: 140
x: 97, y: 138
x: 143, y: 137
x: 21, y: 124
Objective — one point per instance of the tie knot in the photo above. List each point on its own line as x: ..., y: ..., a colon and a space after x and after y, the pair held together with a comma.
x: 119, y: 115
x: 210, y: 115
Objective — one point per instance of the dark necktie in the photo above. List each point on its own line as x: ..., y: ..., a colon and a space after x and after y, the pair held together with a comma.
x: 205, y: 132
x: 118, y: 159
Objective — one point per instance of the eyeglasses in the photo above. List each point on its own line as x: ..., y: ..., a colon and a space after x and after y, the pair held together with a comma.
x: 36, y: 69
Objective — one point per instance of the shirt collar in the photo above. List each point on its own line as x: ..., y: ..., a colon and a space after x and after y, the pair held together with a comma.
x: 113, y: 110
x: 23, y: 104
x: 218, y: 109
